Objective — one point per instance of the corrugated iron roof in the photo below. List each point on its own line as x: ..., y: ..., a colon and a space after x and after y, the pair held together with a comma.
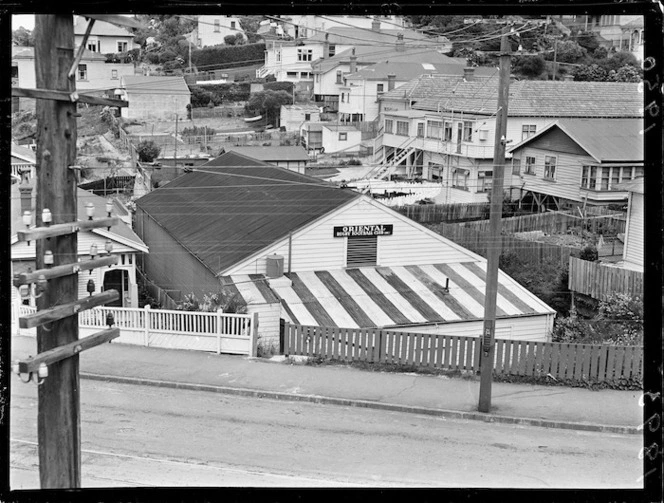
x: 407, y: 70
x: 392, y: 296
x: 234, y: 206
x: 533, y: 98
x: 148, y: 84
x: 615, y: 140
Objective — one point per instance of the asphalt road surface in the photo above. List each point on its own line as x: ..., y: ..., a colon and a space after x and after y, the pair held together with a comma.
x: 148, y: 436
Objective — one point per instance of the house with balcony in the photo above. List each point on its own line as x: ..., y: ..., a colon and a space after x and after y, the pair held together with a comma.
x: 291, y: 60
x: 443, y: 128
x: 23, y: 162
x: 360, y: 90
x: 584, y: 161
x: 105, y: 38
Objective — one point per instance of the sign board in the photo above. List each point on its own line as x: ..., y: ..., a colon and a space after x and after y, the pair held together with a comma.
x: 363, y: 230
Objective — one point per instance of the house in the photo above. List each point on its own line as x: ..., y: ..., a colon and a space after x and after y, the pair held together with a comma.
x: 23, y: 159
x: 443, y: 128
x: 153, y: 97
x: 125, y: 243
x: 291, y: 60
x: 294, y: 158
x: 211, y: 30
x: 302, y: 26
x: 309, y: 252
x: 292, y: 116
x: 578, y: 160
x: 634, y: 230
x: 93, y: 73
x: 614, y: 31
x: 105, y: 38
x: 360, y: 90
x: 330, y: 138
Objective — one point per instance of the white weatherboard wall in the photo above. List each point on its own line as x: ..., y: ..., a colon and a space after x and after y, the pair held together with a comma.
x: 634, y: 232
x: 524, y: 328
x: 315, y: 248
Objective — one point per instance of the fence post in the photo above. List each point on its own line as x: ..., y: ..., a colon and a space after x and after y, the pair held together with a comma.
x: 254, y: 335
x: 146, y: 331
x: 219, y: 313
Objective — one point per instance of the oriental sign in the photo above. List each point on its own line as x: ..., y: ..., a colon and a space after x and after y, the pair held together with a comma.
x: 363, y: 230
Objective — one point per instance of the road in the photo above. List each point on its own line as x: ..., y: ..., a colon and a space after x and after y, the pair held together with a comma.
x: 148, y: 436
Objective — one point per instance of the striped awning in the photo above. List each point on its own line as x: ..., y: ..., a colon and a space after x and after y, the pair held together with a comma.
x: 390, y: 296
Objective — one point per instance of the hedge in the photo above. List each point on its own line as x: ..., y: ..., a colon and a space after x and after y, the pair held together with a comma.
x: 219, y: 93
x: 228, y: 56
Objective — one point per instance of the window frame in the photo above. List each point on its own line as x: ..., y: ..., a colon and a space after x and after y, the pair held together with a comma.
x: 528, y: 130
x: 516, y: 166
x: 389, y: 129
x: 531, y: 161
x: 114, y: 74
x: 400, y: 130
x: 432, y: 127
x: 304, y: 55
x: 550, y: 167
x: 448, y: 130
x: 420, y: 130
x: 343, y: 136
x: 380, y: 88
x: 467, y: 131
x: 82, y: 71
x: 122, y: 43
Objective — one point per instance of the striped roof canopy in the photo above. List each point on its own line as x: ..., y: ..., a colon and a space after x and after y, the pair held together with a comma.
x: 389, y: 296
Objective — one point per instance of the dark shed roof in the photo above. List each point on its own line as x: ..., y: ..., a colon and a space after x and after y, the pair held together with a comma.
x: 234, y: 206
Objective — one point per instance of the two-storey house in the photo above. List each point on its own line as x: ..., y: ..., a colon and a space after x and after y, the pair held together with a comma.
x: 302, y: 26
x: 443, y: 128
x: 105, y: 38
x: 211, y: 30
x: 578, y: 160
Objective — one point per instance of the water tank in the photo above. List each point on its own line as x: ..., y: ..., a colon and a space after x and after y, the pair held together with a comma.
x: 275, y: 266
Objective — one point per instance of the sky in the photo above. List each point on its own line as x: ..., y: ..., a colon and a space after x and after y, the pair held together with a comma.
x: 25, y: 20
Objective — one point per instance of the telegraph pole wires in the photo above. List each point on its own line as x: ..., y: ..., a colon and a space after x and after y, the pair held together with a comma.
x: 495, y: 217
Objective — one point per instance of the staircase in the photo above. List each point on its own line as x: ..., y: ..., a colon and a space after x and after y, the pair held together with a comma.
x: 388, y: 167
x: 262, y: 72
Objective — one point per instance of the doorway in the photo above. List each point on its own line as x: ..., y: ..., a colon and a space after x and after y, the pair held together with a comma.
x: 117, y: 279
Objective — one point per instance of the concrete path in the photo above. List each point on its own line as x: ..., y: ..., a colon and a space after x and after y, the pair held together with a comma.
x: 550, y: 406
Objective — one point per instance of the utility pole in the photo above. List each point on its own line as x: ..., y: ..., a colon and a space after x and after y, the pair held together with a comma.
x: 175, y: 151
x: 493, y: 255
x: 58, y: 421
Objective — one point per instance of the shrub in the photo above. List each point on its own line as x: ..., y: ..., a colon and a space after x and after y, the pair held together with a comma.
x: 148, y: 151
x: 228, y: 56
x: 530, y: 66
x: 589, y: 253
x: 224, y: 299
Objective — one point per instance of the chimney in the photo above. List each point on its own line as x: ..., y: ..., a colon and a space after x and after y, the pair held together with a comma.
x: 390, y: 81
x: 375, y: 24
x: 468, y: 73
x: 326, y: 46
x: 353, y: 63
x: 400, y: 43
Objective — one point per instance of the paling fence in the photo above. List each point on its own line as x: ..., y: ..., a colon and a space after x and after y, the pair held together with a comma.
x: 562, y: 361
x: 217, y: 332
x: 599, y: 280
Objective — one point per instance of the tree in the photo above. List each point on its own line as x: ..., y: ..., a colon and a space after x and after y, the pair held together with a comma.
x: 625, y: 73
x: 148, y: 151
x: 530, y: 66
x: 233, y: 39
x: 23, y: 37
x: 593, y: 73
x: 250, y: 25
x: 568, y: 51
x: 587, y: 40
x: 268, y: 103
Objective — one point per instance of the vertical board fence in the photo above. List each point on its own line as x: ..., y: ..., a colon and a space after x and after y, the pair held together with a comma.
x: 217, y: 332
x: 599, y: 280
x: 562, y: 361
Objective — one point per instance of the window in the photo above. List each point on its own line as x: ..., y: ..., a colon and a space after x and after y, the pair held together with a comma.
x: 435, y: 129
x: 122, y: 46
x: 484, y: 180
x: 305, y: 75
x: 338, y: 76
x: 592, y: 180
x: 304, y: 54
x: 402, y: 128
x: 232, y: 25
x: 317, y: 77
x: 530, y: 165
x: 307, y: 117
x: 361, y: 251
x: 615, y: 177
x: 638, y: 171
x: 343, y: 136
x: 516, y: 166
x: 279, y: 56
x: 436, y: 170
x: 527, y: 130
x: 604, y: 185
x: 460, y: 179
x: 467, y: 131
x: 550, y: 167
x: 379, y: 88
x: 420, y: 130
x: 585, y: 172
x: 448, y: 131
x: 291, y: 74
x: 343, y: 97
x: 332, y: 50
x: 82, y: 72
x: 216, y: 26
x: 93, y: 45
x: 114, y: 74
x: 389, y: 126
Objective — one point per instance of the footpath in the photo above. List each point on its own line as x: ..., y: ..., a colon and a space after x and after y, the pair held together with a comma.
x: 611, y: 411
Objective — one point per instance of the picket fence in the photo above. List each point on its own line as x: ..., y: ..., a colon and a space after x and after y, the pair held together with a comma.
x: 562, y: 361
x: 217, y: 332
x: 599, y: 280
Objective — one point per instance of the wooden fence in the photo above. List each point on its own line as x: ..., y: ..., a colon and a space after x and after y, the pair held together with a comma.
x: 554, y: 222
x: 599, y: 280
x: 194, y: 330
x: 562, y: 361
x: 435, y: 213
x: 481, y: 242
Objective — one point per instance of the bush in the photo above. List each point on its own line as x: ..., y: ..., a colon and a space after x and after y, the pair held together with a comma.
x: 530, y: 66
x: 219, y: 93
x: 148, y: 151
x: 224, y: 299
x: 228, y: 56
x: 589, y: 253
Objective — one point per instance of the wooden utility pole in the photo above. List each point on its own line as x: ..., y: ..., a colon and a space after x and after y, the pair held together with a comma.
x: 58, y: 421
x: 494, y: 245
